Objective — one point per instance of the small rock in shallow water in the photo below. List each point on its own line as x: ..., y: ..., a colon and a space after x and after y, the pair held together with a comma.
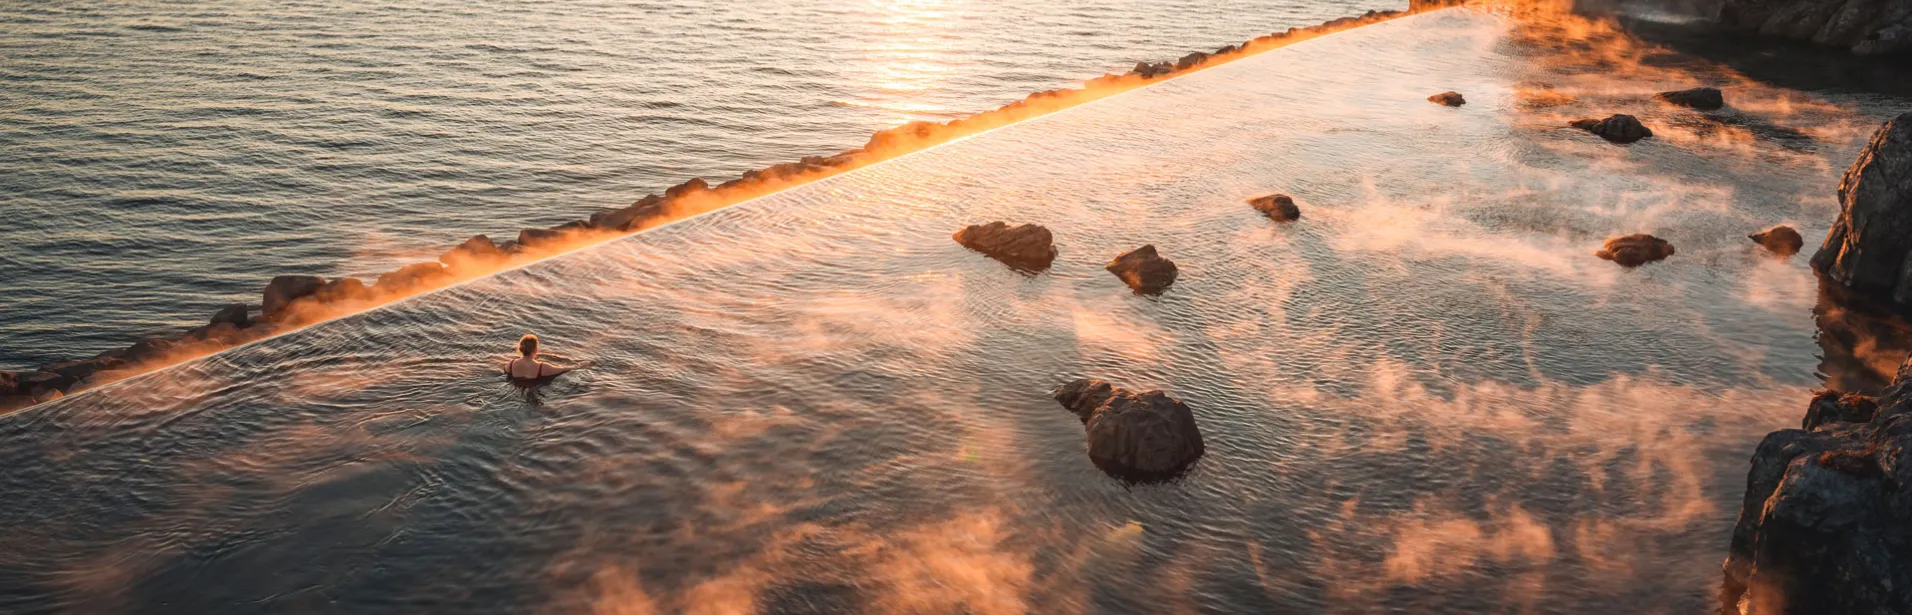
x: 1782, y: 240
x: 1451, y: 99
x: 1025, y: 246
x: 1617, y: 128
x: 1704, y: 99
x: 1280, y: 207
x: 1635, y: 250
x: 1136, y: 436
x: 1143, y: 270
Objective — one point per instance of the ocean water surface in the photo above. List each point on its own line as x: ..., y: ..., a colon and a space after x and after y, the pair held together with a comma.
x: 1424, y: 396
x: 163, y: 159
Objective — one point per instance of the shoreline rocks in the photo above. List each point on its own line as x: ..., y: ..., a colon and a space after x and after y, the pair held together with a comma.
x: 1867, y: 247
x: 1278, y: 207
x: 1449, y: 98
x: 1634, y: 250
x: 1026, y: 246
x: 1617, y: 128
x: 1864, y: 27
x: 1826, y: 520
x: 1140, y: 437
x: 1781, y: 240
x: 1143, y: 270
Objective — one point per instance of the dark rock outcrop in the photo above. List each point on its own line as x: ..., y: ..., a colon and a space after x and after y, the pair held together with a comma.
x: 1704, y: 99
x: 1451, y: 99
x: 1866, y: 27
x: 1867, y: 248
x: 1025, y: 246
x: 343, y: 290
x: 1826, y: 523
x: 412, y: 277
x: 235, y: 315
x: 1136, y: 436
x: 1279, y: 207
x: 1617, y: 128
x: 1781, y: 240
x: 1143, y: 270
x: 1635, y: 250
x: 1192, y: 60
x: 283, y: 290
x: 479, y: 252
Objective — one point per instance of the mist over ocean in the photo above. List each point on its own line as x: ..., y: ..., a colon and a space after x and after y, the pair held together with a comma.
x: 159, y: 160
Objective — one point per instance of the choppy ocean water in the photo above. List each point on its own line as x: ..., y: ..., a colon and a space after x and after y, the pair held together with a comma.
x: 163, y: 159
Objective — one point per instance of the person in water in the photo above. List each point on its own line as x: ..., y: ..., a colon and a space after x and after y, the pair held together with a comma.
x: 528, y: 367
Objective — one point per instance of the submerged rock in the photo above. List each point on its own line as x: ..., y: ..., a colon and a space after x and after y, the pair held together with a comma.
x: 1617, y: 128
x: 1451, y: 99
x: 283, y: 290
x: 1280, y: 207
x: 1137, y: 436
x: 1704, y: 99
x: 1781, y: 240
x: 1635, y: 250
x: 1025, y: 246
x: 1867, y: 248
x: 1827, y: 514
x: 1143, y: 270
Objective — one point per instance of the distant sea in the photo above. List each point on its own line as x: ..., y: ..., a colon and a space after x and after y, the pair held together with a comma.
x: 162, y: 159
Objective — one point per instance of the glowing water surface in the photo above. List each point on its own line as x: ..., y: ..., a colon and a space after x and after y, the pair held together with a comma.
x: 1425, y: 396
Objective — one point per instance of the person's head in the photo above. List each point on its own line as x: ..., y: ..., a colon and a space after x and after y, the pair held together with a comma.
x: 528, y: 345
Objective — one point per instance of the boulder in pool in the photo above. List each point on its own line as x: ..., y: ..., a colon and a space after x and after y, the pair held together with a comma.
x: 285, y: 289
x: 1143, y: 270
x: 1024, y: 246
x: 1617, y: 128
x: 1136, y: 436
x: 1451, y: 99
x: 1635, y: 250
x: 1279, y: 207
x: 1870, y: 241
x: 1781, y: 240
x: 1704, y: 99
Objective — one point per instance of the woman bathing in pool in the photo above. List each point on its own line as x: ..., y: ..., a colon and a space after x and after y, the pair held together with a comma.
x: 527, y: 367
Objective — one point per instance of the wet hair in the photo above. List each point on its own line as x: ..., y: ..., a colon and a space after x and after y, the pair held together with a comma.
x: 527, y: 344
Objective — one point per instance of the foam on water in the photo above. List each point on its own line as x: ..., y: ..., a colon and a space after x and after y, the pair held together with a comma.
x: 1426, y: 395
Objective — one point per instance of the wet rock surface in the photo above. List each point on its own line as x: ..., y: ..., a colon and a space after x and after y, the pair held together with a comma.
x: 1024, y: 246
x: 1618, y: 128
x: 1826, y: 523
x: 1279, y: 207
x: 283, y: 290
x: 1143, y: 270
x: 1866, y: 249
x: 1781, y: 240
x: 1635, y: 250
x: 1136, y: 436
x: 1704, y: 99
x: 1865, y: 27
x: 1451, y: 99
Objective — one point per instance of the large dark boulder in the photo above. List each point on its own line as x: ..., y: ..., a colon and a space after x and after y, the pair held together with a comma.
x: 1024, y: 246
x: 1451, y: 99
x: 1826, y: 523
x: 1279, y: 207
x: 1617, y: 128
x: 1136, y: 436
x: 1865, y: 27
x: 1704, y: 99
x: 1143, y: 270
x: 1867, y: 247
x: 285, y: 289
x: 1192, y: 60
x: 1635, y: 250
x: 1781, y: 240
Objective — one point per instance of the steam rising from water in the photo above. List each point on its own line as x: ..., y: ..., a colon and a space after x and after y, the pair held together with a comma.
x: 1424, y: 396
